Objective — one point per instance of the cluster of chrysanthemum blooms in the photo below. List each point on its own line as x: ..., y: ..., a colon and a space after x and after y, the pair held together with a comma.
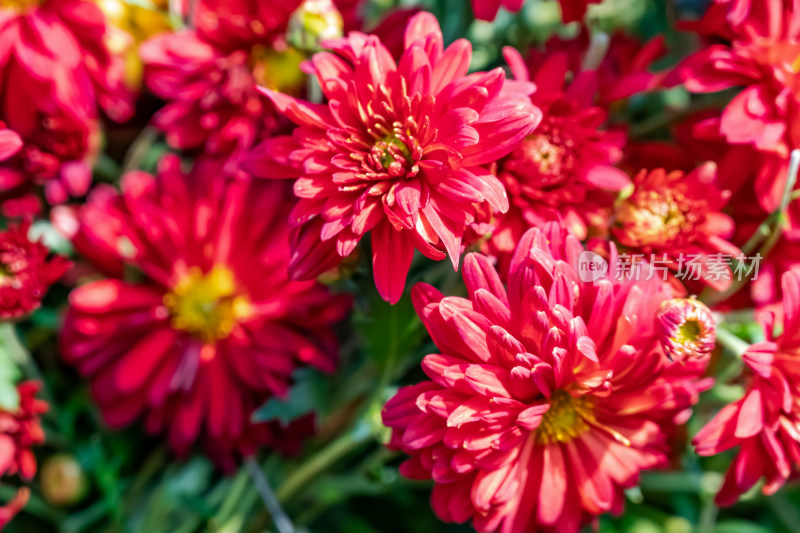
x: 550, y: 394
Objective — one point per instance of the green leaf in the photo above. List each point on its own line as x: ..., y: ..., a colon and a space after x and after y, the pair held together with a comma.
x: 740, y: 526
x: 306, y: 395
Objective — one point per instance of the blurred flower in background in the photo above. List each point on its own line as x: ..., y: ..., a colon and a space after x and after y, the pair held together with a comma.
x: 214, y: 327
x: 20, y: 430
x: 209, y: 74
x: 26, y: 271
x: 60, y: 85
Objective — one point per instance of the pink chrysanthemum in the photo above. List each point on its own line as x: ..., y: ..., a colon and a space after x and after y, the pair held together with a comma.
x: 397, y: 151
x: 761, y: 57
x: 676, y: 219
x: 26, y: 272
x: 687, y: 328
x: 547, y: 398
x: 208, y: 75
x: 764, y: 423
x: 215, y: 328
x: 19, y: 431
x: 564, y: 169
x: 72, y: 66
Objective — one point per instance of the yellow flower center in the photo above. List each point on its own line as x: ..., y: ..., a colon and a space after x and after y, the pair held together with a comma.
x: 207, y: 305
x: 655, y: 217
x: 20, y: 6
x: 278, y: 70
x: 689, y: 332
x: 544, y: 154
x: 567, y: 418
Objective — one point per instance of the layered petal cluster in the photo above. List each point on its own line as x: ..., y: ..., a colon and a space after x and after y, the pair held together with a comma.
x: 687, y: 328
x: 26, y: 271
x: 547, y: 398
x: 214, y: 327
x: 564, y: 169
x: 398, y: 150
x: 758, y: 55
x: 676, y: 219
x: 765, y: 423
x: 208, y: 75
x: 56, y: 86
x: 72, y: 65
x: 20, y: 430
x: 57, y: 153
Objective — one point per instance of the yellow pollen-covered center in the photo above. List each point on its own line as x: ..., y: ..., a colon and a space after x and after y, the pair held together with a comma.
x: 689, y: 332
x: 654, y: 217
x: 544, y: 154
x: 278, y: 70
x: 19, y: 6
x: 567, y: 418
x: 207, y: 304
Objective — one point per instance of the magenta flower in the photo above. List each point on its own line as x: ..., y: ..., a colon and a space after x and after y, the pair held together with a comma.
x: 759, y: 55
x: 215, y: 327
x: 398, y: 150
x: 764, y: 423
x: 546, y: 398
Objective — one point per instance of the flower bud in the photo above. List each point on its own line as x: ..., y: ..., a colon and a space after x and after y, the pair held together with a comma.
x: 63, y: 480
x: 687, y: 329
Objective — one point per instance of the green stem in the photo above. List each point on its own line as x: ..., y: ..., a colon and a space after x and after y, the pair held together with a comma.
x: 731, y: 342
x: 768, y: 233
x: 237, y: 489
x: 336, y: 450
x: 708, y: 516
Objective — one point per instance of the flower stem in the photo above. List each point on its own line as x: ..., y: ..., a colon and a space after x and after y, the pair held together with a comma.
x: 279, y: 517
x: 766, y: 235
x: 336, y: 450
x: 731, y: 342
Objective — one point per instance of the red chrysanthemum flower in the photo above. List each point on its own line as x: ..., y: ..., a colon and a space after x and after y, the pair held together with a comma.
x: 57, y: 154
x: 26, y: 271
x: 19, y: 431
x: 397, y: 151
x: 564, y: 169
x: 676, y: 219
x: 208, y: 75
x: 71, y: 66
x: 764, y: 423
x: 215, y: 328
x: 547, y: 398
x: 761, y: 57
